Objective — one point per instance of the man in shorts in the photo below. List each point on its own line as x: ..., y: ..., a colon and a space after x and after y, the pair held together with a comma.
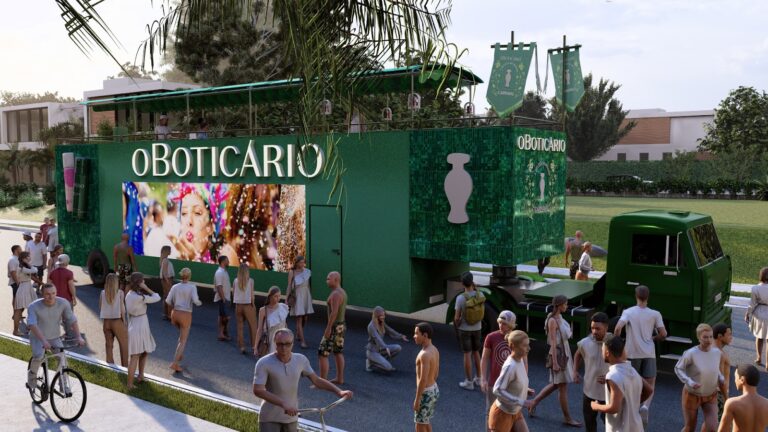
x: 624, y: 390
x: 427, y: 370
x: 122, y: 255
x: 573, y: 253
x: 223, y: 287
x: 641, y: 321
x: 470, y: 336
x: 276, y: 382
x: 723, y: 336
x: 13, y: 267
x: 590, y: 350
x: 699, y: 370
x: 38, y: 251
x: 748, y: 412
x: 333, y: 336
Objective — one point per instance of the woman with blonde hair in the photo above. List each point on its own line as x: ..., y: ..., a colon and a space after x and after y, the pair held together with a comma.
x: 181, y: 297
x: 585, y: 262
x: 26, y: 293
x: 52, y: 260
x: 272, y: 318
x: 300, y: 295
x: 112, y: 312
x: 378, y: 353
x: 166, y: 279
x: 140, y: 340
x: 245, y: 309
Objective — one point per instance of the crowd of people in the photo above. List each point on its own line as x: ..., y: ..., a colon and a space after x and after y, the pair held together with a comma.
x: 619, y: 367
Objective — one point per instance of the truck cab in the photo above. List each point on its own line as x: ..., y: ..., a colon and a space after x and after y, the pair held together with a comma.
x: 677, y: 255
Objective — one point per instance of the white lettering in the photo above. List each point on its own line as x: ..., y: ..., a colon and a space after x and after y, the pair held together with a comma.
x: 527, y: 142
x: 134, y: 162
x: 291, y: 160
x: 250, y: 161
x: 214, y: 161
x: 199, y: 159
x: 275, y: 162
x: 223, y: 160
x: 187, y: 161
x: 319, y: 161
x: 157, y: 159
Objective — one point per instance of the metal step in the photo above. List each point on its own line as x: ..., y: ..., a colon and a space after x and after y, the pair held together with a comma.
x: 677, y: 339
x: 670, y: 356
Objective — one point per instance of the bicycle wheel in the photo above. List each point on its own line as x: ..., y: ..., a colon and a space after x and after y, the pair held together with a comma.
x: 39, y: 394
x: 68, y: 395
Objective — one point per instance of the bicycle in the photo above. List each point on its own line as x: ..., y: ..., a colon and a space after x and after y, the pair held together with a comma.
x: 323, y: 410
x: 66, y: 390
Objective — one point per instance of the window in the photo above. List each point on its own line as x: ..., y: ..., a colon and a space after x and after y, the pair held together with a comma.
x: 656, y: 249
x: 706, y: 245
x: 643, y: 157
x: 621, y: 157
x: 25, y: 125
x: 666, y: 156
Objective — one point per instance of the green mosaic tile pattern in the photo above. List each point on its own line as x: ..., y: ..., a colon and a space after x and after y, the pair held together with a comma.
x: 77, y: 236
x: 509, y: 222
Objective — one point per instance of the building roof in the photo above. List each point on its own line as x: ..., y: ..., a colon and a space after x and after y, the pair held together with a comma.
x: 125, y: 86
x: 658, y: 112
x: 396, y: 80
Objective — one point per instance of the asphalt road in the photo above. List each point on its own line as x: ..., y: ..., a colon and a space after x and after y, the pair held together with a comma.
x: 381, y: 402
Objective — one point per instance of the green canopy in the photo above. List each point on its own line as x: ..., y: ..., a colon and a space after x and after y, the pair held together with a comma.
x: 397, y: 80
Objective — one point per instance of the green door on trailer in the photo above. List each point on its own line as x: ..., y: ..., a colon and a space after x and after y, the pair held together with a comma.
x: 324, y: 247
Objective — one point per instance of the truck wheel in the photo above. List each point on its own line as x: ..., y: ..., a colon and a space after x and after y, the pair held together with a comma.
x: 98, y: 267
x: 489, y: 319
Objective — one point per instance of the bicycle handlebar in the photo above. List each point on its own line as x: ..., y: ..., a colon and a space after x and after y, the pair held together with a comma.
x: 325, y: 408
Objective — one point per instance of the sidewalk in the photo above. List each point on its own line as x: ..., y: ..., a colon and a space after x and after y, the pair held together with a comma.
x: 105, y: 409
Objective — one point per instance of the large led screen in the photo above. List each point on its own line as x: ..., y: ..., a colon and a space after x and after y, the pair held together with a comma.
x: 262, y: 225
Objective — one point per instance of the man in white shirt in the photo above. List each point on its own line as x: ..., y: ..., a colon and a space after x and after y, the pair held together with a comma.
x: 223, y: 287
x: 38, y: 251
x: 162, y: 130
x: 590, y: 349
x: 53, y: 234
x: 699, y: 370
x: 641, y: 321
x: 624, y: 389
x: 13, y: 266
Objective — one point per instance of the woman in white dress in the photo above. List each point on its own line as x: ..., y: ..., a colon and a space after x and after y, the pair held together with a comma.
x: 245, y: 309
x: 272, y: 317
x: 559, y: 360
x: 757, y: 315
x: 26, y: 293
x: 140, y: 340
x: 585, y: 262
x: 298, y: 285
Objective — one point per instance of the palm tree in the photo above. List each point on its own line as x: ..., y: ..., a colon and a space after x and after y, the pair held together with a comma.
x: 326, y: 42
x: 10, y: 161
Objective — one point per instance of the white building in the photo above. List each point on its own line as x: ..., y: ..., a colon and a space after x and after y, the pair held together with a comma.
x: 658, y: 134
x: 22, y: 123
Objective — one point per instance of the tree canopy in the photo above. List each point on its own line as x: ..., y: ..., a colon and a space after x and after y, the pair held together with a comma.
x: 740, y: 124
x: 596, y: 124
x: 9, y: 98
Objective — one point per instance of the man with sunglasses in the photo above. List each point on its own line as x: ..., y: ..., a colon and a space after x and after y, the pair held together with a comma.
x: 276, y: 383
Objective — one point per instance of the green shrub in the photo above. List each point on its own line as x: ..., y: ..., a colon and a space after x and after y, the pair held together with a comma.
x: 104, y: 128
x: 29, y: 200
x: 49, y: 194
x: 6, y: 199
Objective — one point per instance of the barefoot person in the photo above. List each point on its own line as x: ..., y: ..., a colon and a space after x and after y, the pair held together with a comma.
x: 624, y: 389
x: 300, y: 295
x: 511, y: 388
x: 276, y: 382
x: 748, y: 412
x: 140, y: 340
x: 427, y: 370
x: 723, y: 336
x: 699, y: 370
x: 223, y: 287
x: 166, y: 279
x: 559, y: 361
x: 757, y: 315
x: 181, y: 297
x: 122, y: 254
x: 112, y: 312
x: 333, y: 337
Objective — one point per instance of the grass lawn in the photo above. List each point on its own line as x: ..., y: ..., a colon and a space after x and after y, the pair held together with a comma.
x: 32, y: 215
x: 741, y: 225
x: 215, y: 412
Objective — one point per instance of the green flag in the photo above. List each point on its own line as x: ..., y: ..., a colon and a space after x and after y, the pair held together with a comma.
x: 574, y: 83
x: 506, y: 86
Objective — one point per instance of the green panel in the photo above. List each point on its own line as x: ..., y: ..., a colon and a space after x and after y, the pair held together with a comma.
x: 509, y: 222
x: 79, y: 236
x: 325, y: 248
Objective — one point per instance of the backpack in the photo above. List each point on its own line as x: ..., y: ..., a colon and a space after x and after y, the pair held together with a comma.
x: 474, y: 309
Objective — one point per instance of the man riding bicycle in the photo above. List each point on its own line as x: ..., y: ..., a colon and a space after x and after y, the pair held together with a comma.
x: 44, y: 319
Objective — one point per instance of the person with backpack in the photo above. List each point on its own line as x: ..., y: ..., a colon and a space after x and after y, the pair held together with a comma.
x: 470, y: 309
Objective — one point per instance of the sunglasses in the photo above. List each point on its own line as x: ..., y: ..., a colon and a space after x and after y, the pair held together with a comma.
x: 284, y: 344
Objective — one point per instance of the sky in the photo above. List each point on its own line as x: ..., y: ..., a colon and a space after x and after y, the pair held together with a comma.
x: 670, y: 54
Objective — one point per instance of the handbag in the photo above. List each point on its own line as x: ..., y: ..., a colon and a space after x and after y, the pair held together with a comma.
x: 560, y: 356
x: 262, y: 348
x: 291, y: 300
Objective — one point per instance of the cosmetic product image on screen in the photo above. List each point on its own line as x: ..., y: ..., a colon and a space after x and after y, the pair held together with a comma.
x: 68, y: 161
x: 83, y: 168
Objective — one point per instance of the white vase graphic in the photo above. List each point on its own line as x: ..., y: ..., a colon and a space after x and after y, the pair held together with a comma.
x: 542, y: 184
x: 458, y: 188
x: 508, y: 78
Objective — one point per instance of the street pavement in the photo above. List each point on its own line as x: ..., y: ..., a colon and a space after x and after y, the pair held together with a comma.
x: 104, y: 410
x: 382, y: 402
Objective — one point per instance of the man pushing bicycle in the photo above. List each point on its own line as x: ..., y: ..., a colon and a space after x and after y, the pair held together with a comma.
x: 44, y: 320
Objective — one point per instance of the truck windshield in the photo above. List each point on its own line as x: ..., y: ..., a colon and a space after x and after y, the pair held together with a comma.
x: 705, y: 243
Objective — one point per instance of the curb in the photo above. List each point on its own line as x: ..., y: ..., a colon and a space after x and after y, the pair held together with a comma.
x: 304, y: 424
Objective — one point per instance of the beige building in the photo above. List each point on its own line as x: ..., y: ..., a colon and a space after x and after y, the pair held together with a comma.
x: 658, y: 134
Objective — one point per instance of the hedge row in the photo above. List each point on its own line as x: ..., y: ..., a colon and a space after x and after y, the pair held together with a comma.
x: 733, y: 189
x: 26, y: 195
x: 683, y: 168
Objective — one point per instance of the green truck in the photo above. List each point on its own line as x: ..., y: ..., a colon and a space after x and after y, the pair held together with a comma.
x: 418, y: 205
